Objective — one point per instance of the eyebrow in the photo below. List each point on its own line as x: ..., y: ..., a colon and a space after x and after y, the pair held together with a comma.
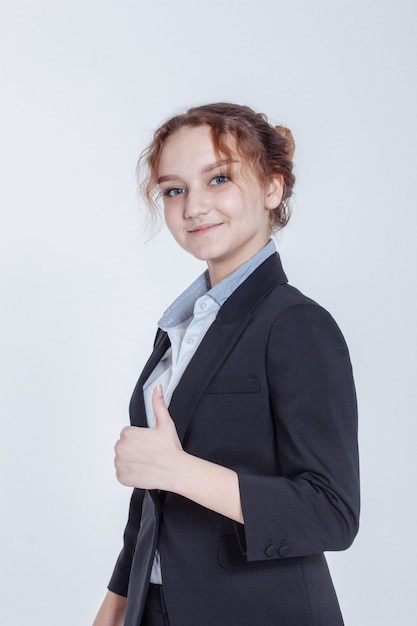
x: 204, y: 170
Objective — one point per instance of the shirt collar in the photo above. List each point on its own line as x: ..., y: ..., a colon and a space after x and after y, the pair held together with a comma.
x: 182, y: 307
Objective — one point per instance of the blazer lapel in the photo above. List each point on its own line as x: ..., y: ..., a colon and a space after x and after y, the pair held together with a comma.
x: 213, y: 350
x: 220, y: 339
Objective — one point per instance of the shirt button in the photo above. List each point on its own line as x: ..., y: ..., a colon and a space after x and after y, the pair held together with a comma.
x: 203, y: 306
x: 190, y: 341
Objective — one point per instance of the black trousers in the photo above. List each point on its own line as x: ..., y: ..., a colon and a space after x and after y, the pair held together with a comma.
x: 155, y: 613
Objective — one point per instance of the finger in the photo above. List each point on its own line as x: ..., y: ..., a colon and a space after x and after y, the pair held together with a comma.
x: 159, y: 407
x: 159, y: 392
x: 125, y: 431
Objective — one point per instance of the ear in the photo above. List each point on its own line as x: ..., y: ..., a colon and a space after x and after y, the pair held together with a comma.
x: 274, y: 190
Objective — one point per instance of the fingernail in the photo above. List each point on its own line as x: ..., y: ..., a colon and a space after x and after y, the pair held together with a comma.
x: 159, y: 390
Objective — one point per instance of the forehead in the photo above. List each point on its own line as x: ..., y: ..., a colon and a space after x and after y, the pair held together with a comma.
x: 191, y: 144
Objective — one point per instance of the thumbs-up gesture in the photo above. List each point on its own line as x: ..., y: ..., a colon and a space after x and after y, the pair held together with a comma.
x: 153, y: 458
x: 147, y: 457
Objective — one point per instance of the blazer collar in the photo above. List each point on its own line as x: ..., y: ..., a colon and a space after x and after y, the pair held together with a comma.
x: 265, y: 278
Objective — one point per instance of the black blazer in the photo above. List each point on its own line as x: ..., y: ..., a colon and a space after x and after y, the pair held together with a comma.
x: 270, y: 394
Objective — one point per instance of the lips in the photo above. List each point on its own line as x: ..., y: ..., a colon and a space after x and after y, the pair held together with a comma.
x: 203, y: 229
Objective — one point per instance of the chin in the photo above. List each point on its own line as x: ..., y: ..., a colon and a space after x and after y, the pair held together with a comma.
x: 203, y: 255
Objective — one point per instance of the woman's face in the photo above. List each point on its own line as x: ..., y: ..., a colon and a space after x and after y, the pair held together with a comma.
x: 216, y: 209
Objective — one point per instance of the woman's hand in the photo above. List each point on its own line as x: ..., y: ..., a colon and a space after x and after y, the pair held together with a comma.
x: 148, y: 457
x: 153, y: 458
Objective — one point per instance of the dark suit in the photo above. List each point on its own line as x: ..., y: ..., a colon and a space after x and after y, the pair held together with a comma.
x: 269, y: 393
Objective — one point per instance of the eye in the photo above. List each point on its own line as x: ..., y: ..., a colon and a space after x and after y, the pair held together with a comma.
x: 171, y: 192
x: 220, y: 179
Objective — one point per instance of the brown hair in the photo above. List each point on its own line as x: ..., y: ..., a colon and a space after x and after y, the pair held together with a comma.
x: 268, y: 149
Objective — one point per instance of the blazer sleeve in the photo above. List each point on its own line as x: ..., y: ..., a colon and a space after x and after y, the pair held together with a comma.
x: 120, y: 577
x: 312, y: 504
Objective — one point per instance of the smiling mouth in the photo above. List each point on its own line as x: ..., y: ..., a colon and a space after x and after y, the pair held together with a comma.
x: 202, y: 229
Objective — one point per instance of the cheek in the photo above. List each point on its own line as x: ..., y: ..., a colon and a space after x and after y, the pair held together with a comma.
x: 257, y: 216
x: 169, y: 218
x: 233, y: 203
x: 173, y: 222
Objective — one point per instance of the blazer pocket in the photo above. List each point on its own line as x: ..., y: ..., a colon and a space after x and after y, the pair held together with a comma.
x: 234, y: 385
x: 231, y: 557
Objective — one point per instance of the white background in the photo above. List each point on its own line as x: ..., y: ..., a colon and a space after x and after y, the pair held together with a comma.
x: 83, y: 83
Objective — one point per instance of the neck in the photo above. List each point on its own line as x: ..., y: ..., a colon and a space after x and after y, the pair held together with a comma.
x: 219, y: 270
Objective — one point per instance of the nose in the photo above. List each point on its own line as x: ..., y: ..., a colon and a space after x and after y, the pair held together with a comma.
x: 196, y: 203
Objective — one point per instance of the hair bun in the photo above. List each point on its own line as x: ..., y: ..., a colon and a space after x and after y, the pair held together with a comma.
x: 287, y: 134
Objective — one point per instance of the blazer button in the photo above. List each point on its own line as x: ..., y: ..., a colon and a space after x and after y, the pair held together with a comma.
x: 283, y: 551
x: 271, y: 551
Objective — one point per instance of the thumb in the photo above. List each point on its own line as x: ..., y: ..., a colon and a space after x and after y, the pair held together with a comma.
x: 159, y: 407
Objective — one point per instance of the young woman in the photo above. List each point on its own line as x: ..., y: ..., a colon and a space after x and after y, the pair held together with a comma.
x: 243, y: 444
